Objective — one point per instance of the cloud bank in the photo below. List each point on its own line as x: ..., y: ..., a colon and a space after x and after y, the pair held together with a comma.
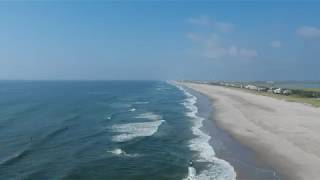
x: 308, y: 32
x: 212, y: 45
x: 201, y: 20
x: 208, y: 22
x: 275, y: 44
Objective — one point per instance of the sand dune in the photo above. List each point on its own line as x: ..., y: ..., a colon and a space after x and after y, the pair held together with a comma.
x: 286, y: 135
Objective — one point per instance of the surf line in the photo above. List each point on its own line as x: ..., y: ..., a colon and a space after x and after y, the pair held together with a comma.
x: 217, y: 169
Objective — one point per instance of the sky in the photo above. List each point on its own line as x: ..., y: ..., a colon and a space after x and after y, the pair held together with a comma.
x: 217, y: 40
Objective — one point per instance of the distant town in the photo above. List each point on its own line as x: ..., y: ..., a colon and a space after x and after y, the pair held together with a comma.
x: 270, y: 87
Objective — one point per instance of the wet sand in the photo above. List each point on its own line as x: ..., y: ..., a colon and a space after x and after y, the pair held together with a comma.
x: 283, y: 134
x: 246, y: 165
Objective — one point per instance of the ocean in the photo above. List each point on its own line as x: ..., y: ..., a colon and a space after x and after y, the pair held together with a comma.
x: 111, y: 130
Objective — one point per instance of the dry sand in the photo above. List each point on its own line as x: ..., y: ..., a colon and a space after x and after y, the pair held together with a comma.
x: 285, y: 135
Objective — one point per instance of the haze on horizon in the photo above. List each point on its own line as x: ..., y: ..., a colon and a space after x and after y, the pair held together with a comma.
x: 160, y: 40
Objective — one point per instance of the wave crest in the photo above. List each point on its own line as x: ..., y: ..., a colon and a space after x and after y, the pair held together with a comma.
x: 149, y: 115
x: 120, y: 152
x: 130, y: 131
x: 217, y: 169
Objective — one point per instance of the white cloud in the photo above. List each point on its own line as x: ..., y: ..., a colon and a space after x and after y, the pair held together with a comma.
x: 206, y: 21
x: 308, y: 32
x: 233, y: 50
x: 201, y: 20
x: 224, y: 26
x: 275, y: 44
x: 211, y: 46
x: 194, y: 37
x: 248, y: 53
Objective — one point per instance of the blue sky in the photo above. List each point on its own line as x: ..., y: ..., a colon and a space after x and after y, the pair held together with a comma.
x: 160, y: 40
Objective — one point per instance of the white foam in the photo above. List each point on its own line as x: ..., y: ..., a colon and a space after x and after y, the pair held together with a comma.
x: 133, y: 130
x: 141, y: 102
x: 132, y: 109
x: 120, y: 152
x: 117, y: 151
x: 191, y: 173
x: 149, y: 115
x: 218, y: 169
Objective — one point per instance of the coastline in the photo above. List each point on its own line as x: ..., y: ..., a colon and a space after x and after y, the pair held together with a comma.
x: 207, y: 165
x: 282, y: 134
x: 227, y: 148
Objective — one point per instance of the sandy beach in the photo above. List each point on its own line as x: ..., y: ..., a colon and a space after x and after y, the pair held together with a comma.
x: 285, y: 135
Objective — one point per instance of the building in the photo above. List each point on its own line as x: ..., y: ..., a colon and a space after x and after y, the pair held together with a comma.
x: 270, y: 91
x: 262, y: 89
x: 287, y: 92
x: 277, y: 91
x: 251, y: 87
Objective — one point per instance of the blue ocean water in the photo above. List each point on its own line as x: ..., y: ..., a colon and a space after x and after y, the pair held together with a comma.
x: 103, y: 130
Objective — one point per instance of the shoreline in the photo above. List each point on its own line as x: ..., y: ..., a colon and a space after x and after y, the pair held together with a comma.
x: 282, y: 134
x: 243, y: 160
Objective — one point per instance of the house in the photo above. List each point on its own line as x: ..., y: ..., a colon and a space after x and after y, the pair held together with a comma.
x: 287, y: 92
x: 277, y: 91
x: 262, y: 89
x: 251, y: 87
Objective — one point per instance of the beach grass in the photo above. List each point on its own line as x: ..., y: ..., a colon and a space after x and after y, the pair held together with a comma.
x: 312, y: 89
x: 292, y: 98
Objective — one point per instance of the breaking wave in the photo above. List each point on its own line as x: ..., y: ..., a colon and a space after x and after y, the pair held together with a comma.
x: 14, y: 158
x: 120, y: 152
x: 129, y: 131
x: 217, y: 169
x: 132, y: 109
x: 133, y: 130
x: 141, y: 102
x: 149, y: 115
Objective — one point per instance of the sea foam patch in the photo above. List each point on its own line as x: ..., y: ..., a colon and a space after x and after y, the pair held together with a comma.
x: 141, y: 102
x: 120, y: 152
x: 133, y: 130
x: 132, y: 109
x: 149, y: 115
x: 217, y: 169
x: 129, y: 131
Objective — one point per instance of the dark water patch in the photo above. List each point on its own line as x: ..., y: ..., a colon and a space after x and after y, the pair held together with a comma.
x: 72, y: 118
x: 122, y: 168
x: 55, y: 133
x: 39, y: 174
x: 94, y: 135
x: 15, y: 158
x: 13, y: 116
